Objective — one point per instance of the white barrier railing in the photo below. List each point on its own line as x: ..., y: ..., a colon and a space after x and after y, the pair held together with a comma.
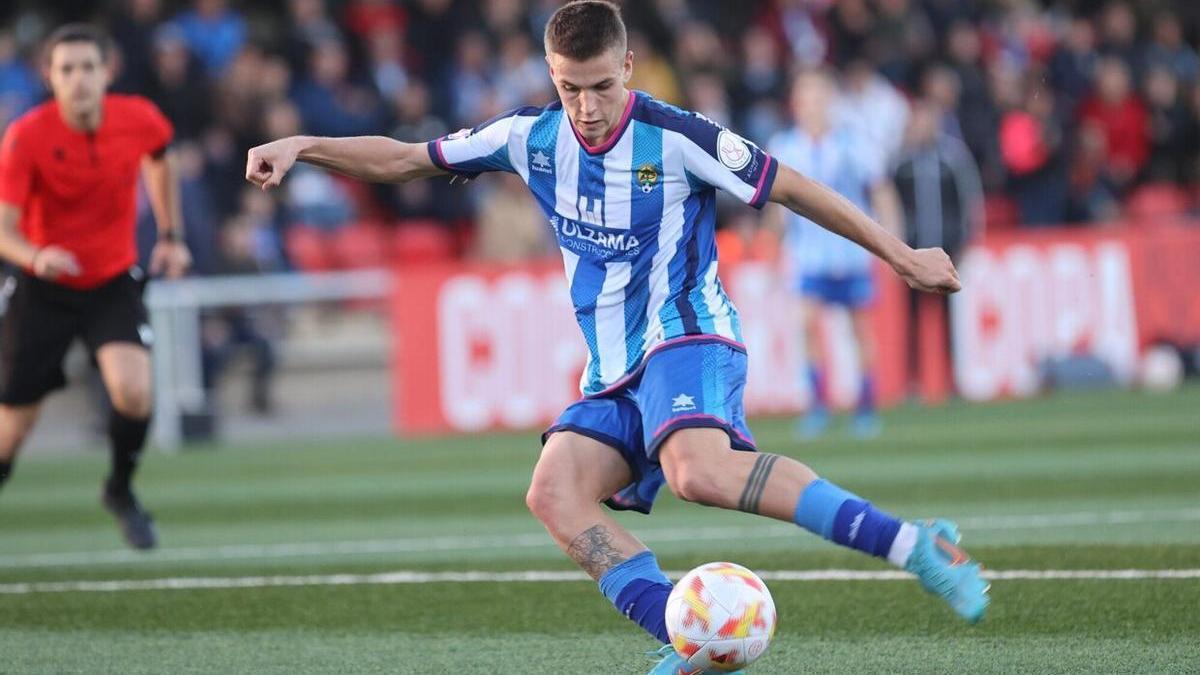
x: 174, y: 308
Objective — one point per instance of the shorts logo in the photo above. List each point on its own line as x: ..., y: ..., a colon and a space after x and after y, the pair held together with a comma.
x: 683, y: 403
x: 732, y: 150
x: 146, y: 334
x: 647, y: 177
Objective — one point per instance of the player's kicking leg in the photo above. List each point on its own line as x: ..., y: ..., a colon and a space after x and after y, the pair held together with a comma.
x: 701, y: 467
x: 125, y: 369
x: 701, y: 446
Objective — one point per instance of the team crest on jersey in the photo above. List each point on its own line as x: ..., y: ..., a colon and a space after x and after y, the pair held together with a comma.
x: 647, y: 177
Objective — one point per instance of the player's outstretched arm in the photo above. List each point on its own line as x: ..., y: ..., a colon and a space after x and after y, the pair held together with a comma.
x: 926, y: 269
x: 374, y: 159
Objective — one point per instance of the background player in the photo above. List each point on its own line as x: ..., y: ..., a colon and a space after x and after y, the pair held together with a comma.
x: 834, y: 272
x: 629, y: 185
x: 68, y: 201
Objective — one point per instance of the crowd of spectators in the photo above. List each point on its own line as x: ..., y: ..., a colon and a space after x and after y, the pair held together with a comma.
x: 1068, y: 109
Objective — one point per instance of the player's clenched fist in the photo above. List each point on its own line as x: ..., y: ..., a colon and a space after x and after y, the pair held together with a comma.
x: 930, y: 270
x: 267, y: 164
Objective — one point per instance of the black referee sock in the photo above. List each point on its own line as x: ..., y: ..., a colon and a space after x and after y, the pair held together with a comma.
x: 5, y: 472
x: 126, y: 435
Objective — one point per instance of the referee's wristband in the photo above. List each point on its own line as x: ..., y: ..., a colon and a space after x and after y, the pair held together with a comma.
x: 171, y: 235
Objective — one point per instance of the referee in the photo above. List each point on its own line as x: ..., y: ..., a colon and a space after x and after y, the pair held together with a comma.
x: 68, y: 201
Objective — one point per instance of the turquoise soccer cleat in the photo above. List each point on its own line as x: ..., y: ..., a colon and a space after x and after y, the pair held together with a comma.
x: 947, y: 571
x: 672, y: 663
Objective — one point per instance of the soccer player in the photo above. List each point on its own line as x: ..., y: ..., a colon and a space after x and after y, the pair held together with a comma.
x: 68, y: 200
x: 834, y: 272
x: 628, y: 183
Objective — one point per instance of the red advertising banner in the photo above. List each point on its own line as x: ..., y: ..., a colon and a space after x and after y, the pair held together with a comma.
x: 1166, y: 266
x: 1103, y: 292
x: 483, y: 347
x: 488, y: 347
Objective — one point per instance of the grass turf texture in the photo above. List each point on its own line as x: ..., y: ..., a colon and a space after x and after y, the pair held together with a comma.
x: 1083, y: 460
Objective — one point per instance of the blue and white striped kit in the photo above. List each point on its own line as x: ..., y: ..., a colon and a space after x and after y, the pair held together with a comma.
x: 635, y: 218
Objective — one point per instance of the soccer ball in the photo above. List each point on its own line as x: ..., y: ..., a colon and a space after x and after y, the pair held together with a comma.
x: 720, y: 616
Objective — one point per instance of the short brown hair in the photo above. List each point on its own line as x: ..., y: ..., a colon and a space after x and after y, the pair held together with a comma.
x: 584, y: 29
x: 76, y: 32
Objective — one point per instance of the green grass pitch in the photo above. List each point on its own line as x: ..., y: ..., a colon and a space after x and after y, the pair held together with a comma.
x: 1093, y: 481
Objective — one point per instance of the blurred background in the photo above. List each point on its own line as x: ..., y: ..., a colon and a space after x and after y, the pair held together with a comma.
x: 344, y: 361
x: 1053, y: 148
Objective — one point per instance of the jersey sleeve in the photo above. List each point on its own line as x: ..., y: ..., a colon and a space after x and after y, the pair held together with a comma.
x: 16, y: 167
x: 470, y: 152
x: 154, y: 129
x: 157, y: 129
x: 721, y: 159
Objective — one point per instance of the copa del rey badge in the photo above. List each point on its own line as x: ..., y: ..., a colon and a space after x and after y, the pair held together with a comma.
x: 732, y: 150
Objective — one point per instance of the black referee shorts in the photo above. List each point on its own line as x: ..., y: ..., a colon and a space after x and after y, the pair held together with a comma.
x: 43, y: 319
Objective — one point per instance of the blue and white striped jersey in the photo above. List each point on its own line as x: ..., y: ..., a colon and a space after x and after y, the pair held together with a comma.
x: 841, y: 160
x: 635, y: 218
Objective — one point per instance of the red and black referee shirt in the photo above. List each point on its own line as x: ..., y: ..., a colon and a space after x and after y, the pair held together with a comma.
x: 78, y: 190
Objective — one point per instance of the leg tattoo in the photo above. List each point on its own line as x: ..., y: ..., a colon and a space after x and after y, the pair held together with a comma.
x: 752, y: 494
x: 594, y: 552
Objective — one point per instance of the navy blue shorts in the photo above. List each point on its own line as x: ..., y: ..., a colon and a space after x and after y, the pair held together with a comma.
x: 853, y: 291
x: 688, y: 383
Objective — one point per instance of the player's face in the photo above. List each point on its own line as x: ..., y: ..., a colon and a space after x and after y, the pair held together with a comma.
x: 78, y: 77
x: 593, y: 91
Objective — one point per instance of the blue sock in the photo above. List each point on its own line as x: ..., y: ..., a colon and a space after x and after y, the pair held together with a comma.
x: 816, y: 381
x: 866, y: 395
x: 845, y: 519
x: 639, y: 590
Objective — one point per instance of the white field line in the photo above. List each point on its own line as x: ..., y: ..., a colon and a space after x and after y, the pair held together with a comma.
x: 540, y: 539
x: 393, y: 578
